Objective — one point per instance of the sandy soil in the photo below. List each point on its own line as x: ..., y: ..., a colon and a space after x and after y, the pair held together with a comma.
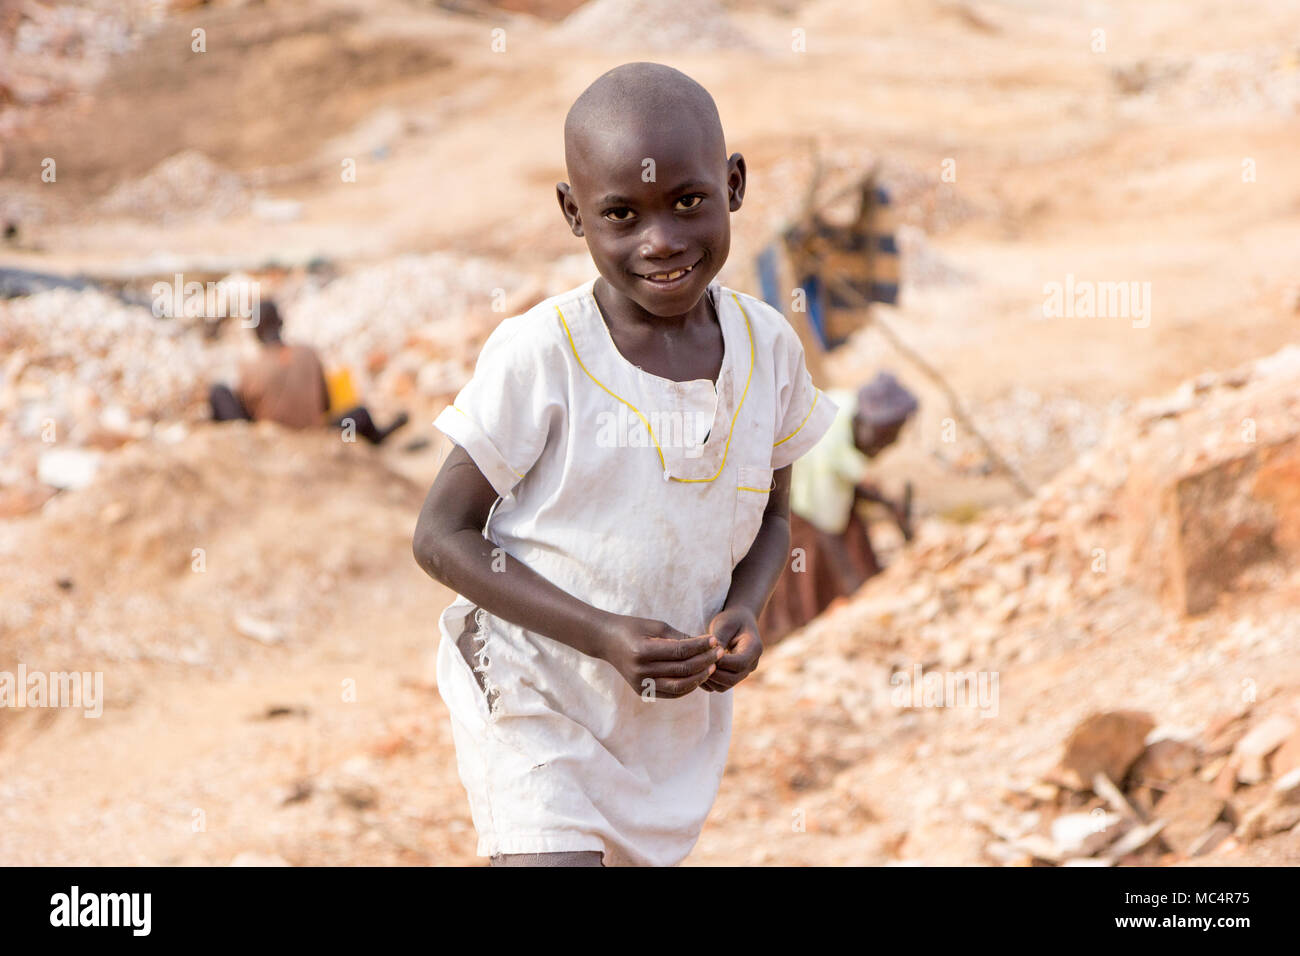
x: 1123, y: 165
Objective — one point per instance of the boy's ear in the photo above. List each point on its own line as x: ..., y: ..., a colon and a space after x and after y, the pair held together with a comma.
x: 569, y: 206
x: 735, y: 181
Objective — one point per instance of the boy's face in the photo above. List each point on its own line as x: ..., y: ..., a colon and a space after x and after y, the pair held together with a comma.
x: 652, y: 203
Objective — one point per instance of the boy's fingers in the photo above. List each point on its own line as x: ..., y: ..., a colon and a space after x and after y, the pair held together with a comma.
x: 734, y: 663
x: 726, y: 681
x: 662, y: 631
x: 728, y: 633
x: 667, y: 649
x: 723, y: 682
x: 698, y: 664
x: 670, y: 687
x: 723, y: 629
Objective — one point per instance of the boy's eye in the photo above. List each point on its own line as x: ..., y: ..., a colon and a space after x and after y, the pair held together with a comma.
x: 693, y: 200
x: 619, y: 214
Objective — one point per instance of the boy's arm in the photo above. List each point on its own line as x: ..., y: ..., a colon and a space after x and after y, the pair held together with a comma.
x: 449, y: 545
x: 752, y: 583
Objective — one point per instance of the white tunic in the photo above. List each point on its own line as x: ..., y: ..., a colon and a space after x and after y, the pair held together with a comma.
x: 607, y: 492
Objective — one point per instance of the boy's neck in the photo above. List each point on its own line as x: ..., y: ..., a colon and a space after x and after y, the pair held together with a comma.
x: 622, y: 312
x: 682, y: 348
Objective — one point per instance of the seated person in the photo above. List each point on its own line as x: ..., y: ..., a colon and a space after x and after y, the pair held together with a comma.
x: 286, y: 384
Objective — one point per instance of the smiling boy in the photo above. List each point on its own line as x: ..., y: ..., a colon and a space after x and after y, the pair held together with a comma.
x: 608, y: 593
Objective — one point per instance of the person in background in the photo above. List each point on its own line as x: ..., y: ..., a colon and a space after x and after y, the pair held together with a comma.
x: 825, y: 488
x: 286, y: 384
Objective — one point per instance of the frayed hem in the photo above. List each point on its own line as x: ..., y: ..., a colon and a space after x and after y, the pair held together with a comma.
x: 484, y: 664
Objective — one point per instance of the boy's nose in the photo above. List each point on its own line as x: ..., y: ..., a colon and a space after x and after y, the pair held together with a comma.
x: 661, y: 241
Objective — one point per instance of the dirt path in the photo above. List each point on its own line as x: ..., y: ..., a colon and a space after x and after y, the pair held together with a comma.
x: 1124, y: 165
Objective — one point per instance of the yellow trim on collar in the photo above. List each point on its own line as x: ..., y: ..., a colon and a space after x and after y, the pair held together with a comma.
x: 727, y: 448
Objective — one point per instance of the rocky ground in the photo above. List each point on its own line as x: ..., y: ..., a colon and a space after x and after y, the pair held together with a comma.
x: 1127, y: 634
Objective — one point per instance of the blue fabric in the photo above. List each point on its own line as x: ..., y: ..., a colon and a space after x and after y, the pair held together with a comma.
x: 768, y: 268
x: 812, y: 287
x: 767, y: 271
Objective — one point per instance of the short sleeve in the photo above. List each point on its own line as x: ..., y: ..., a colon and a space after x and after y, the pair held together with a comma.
x: 804, y: 412
x: 504, y: 414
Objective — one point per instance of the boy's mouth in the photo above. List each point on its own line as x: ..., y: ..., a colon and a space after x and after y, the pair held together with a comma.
x: 668, y: 278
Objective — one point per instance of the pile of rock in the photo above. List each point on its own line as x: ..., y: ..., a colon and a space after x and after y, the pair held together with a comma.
x: 413, y: 324
x: 1038, y: 434
x: 185, y: 186
x: 48, y: 51
x: 1185, y: 498
x: 1074, y: 593
x: 1188, y: 795
x: 84, y: 372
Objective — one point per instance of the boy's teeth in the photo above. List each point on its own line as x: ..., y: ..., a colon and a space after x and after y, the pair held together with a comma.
x: 669, y: 276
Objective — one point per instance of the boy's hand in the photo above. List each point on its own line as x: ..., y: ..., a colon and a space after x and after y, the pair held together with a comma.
x: 654, y: 657
x: 737, y: 632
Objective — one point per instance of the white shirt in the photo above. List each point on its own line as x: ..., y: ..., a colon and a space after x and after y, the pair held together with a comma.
x: 608, y: 493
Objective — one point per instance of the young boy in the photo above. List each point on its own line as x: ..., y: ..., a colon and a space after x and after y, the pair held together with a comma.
x: 609, y: 578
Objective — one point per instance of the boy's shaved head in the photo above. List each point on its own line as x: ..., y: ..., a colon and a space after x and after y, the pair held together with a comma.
x: 649, y: 95
x: 650, y: 189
